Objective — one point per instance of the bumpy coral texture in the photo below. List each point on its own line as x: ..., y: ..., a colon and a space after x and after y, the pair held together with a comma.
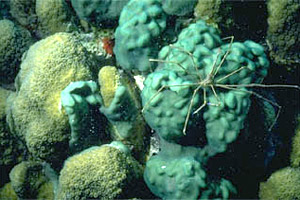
x: 14, y: 41
x: 175, y: 178
x: 10, y: 149
x: 98, y: 11
x: 81, y: 100
x: 7, y: 192
x: 295, y: 153
x: 282, y: 184
x: 53, y: 16
x: 188, y: 63
x: 179, y: 8
x: 121, y: 105
x: 24, y: 12
x: 140, y: 25
x: 99, y: 173
x: 215, y: 12
x: 36, y: 115
x: 284, y: 30
x: 26, y: 179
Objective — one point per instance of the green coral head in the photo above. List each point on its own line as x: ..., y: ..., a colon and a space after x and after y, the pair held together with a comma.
x: 166, y: 98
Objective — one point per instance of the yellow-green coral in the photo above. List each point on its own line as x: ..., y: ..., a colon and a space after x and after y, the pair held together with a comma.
x: 215, y: 12
x: 295, y: 154
x: 282, y: 185
x: 24, y: 12
x: 14, y: 42
x: 7, y: 192
x: 26, y: 178
x: 10, y: 149
x: 46, y: 191
x: 108, y: 79
x: 53, y: 16
x: 284, y: 30
x: 122, y: 108
x: 99, y: 173
x: 35, y: 115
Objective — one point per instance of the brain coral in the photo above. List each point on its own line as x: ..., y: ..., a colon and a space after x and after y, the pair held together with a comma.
x: 14, y: 42
x: 35, y: 114
x: 99, y: 173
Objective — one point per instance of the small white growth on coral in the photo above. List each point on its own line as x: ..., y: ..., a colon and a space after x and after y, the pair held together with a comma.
x: 139, y: 80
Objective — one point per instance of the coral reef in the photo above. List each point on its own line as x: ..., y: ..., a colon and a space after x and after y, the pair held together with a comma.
x: 4, y: 10
x: 243, y: 19
x: 7, y: 192
x: 295, y: 153
x: 24, y: 13
x: 36, y: 114
x: 80, y: 100
x: 121, y: 105
x: 14, y: 40
x: 283, y: 184
x: 284, y: 31
x: 28, y: 180
x: 224, y: 122
x: 215, y: 12
x: 100, y: 172
x: 53, y: 16
x: 140, y: 27
x: 179, y: 8
x: 10, y: 149
x: 147, y: 99
x: 97, y: 12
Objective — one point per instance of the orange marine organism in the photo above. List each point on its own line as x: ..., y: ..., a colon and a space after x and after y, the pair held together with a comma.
x: 108, y: 45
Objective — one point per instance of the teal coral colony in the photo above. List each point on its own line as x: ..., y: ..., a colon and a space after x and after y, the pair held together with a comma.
x: 149, y: 99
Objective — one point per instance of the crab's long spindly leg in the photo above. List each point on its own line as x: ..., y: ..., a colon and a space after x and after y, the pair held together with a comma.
x: 262, y: 85
x: 190, y: 109
x: 230, y: 74
x: 192, y: 58
x: 233, y: 87
x: 170, y: 62
x: 163, y: 88
x: 216, y: 96
x: 204, y: 102
x: 226, y: 54
x: 153, y: 97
